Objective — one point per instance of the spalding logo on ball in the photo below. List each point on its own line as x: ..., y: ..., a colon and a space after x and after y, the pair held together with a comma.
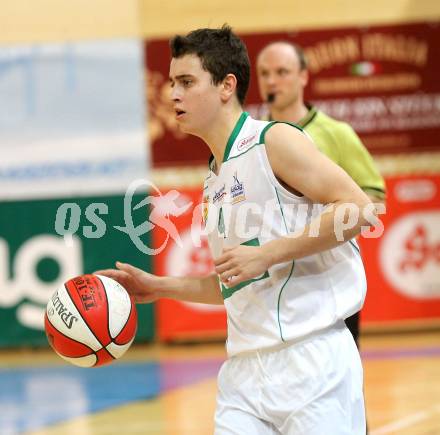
x: 91, y: 321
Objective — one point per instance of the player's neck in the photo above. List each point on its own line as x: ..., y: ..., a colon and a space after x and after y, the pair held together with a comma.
x: 293, y: 113
x: 217, y: 136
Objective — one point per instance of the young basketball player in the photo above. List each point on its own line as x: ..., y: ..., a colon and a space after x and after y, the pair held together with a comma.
x: 286, y: 277
x: 282, y: 76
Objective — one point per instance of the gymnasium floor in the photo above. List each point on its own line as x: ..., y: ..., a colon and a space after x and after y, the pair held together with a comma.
x: 170, y: 390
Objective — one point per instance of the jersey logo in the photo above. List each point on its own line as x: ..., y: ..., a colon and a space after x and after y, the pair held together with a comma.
x: 219, y: 195
x: 237, y: 190
x: 244, y: 143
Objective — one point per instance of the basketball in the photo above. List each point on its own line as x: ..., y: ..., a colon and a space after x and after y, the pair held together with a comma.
x: 90, y: 321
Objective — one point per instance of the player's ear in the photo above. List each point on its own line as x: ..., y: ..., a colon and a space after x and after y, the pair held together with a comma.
x: 228, y: 87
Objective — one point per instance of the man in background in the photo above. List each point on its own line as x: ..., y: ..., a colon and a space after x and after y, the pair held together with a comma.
x: 282, y: 76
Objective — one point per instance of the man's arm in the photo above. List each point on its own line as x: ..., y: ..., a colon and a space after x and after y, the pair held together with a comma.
x: 296, y: 162
x: 146, y: 287
x: 301, y: 166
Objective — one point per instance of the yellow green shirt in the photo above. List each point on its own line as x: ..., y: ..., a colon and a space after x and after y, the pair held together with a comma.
x: 338, y: 141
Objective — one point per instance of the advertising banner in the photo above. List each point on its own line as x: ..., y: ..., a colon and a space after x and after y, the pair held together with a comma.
x: 35, y: 257
x: 72, y: 139
x: 403, y: 266
x: 380, y: 79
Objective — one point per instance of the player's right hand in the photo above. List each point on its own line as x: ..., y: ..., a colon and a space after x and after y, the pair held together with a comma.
x: 142, y: 286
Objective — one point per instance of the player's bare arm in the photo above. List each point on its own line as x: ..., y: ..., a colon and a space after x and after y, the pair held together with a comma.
x: 298, y: 164
x: 146, y: 287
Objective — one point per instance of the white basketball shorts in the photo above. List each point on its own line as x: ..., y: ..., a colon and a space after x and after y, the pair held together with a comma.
x: 310, y: 387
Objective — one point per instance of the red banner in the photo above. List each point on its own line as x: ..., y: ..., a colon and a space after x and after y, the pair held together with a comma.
x: 403, y: 266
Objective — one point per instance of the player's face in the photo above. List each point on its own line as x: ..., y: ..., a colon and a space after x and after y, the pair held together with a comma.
x: 279, y: 73
x: 195, y: 98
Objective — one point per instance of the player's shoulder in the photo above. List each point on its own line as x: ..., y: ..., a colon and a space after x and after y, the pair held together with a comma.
x: 286, y: 142
x: 280, y: 132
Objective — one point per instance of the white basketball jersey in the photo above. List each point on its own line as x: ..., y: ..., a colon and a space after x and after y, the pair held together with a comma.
x: 245, y: 204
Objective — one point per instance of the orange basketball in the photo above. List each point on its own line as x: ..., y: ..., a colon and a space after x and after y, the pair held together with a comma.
x: 90, y: 321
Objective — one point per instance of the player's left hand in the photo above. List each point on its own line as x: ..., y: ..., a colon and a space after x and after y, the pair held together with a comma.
x: 241, y: 263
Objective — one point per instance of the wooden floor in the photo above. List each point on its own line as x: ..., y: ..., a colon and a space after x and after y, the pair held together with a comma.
x: 171, y: 390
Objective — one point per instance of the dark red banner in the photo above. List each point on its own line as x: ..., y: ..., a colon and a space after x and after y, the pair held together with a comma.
x: 383, y: 80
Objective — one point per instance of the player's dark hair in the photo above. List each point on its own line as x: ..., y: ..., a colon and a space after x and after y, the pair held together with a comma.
x: 220, y: 51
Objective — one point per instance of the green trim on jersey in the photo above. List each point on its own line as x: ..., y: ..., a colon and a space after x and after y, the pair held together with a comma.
x: 358, y: 250
x: 281, y: 208
x: 279, y: 300
x: 228, y: 292
x: 290, y: 274
x: 272, y: 123
x: 234, y: 135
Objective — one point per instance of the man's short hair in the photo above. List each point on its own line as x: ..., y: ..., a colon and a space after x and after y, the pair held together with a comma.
x: 300, y: 53
x: 220, y: 51
x: 296, y: 47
